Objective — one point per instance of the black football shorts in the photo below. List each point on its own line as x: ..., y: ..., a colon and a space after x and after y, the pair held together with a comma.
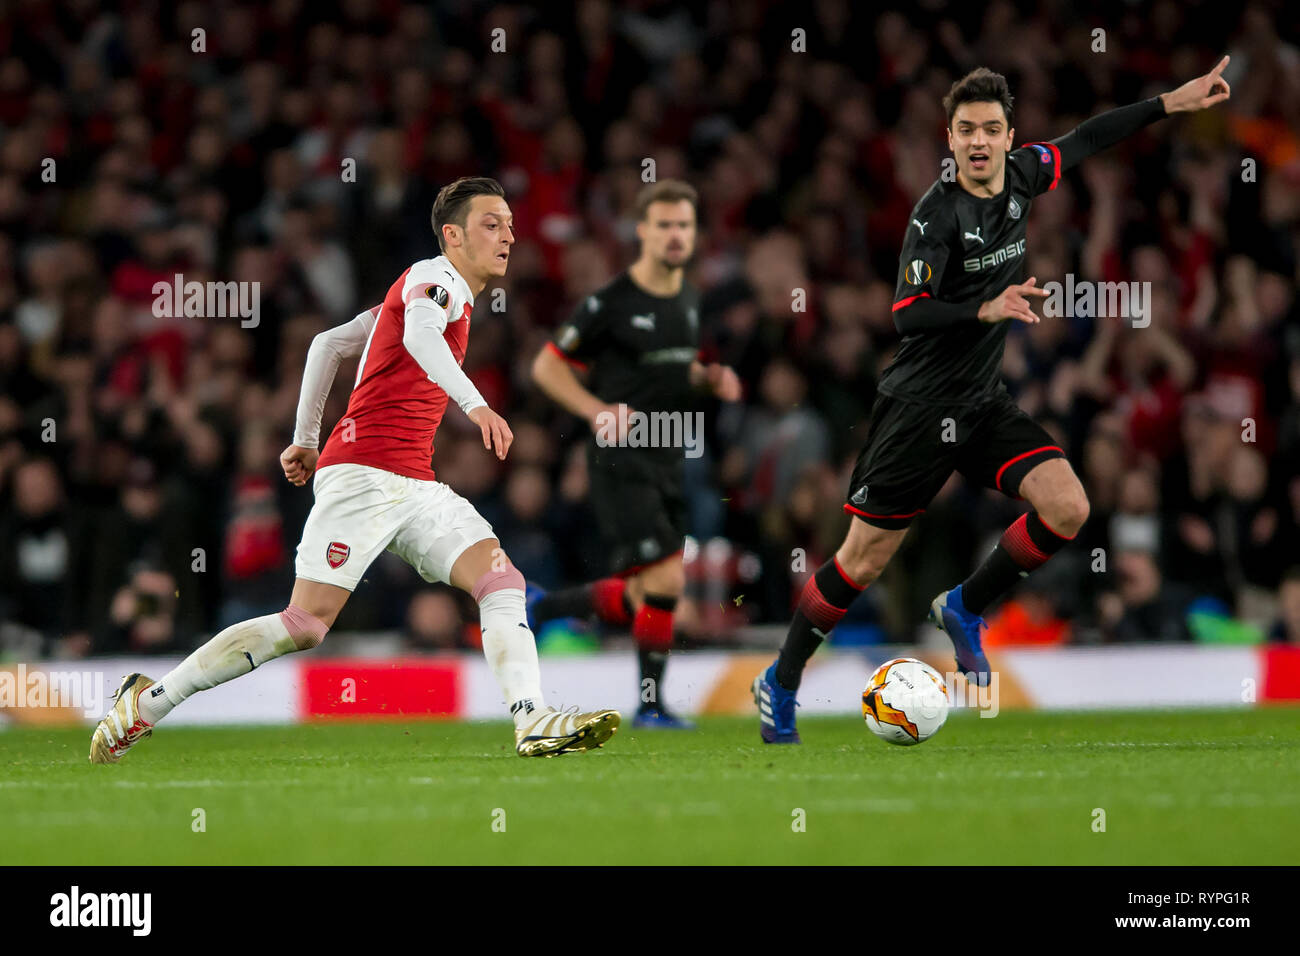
x: 640, y: 507
x: 912, y: 448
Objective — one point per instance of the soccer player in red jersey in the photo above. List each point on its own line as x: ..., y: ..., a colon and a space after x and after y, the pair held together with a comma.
x: 375, y: 490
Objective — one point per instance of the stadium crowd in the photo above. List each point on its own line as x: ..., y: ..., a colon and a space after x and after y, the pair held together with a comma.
x: 300, y: 145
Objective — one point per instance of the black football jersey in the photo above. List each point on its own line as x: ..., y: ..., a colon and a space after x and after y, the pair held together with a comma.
x: 637, y: 347
x: 963, y: 249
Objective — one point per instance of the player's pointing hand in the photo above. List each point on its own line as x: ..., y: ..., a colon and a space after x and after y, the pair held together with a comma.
x: 1200, y: 93
x: 1013, y: 303
x: 496, y: 433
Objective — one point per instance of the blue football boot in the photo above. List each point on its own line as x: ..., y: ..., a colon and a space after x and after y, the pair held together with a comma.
x: 949, y: 614
x: 651, y: 717
x: 775, y: 709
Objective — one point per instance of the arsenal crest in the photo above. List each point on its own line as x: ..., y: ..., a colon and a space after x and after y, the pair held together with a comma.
x: 336, y: 554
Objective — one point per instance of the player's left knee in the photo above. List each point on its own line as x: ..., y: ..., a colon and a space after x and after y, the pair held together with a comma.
x: 306, y: 630
x: 492, y: 581
x: 1069, y: 511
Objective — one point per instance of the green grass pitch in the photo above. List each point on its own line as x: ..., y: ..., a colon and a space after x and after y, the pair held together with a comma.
x: 1205, y: 787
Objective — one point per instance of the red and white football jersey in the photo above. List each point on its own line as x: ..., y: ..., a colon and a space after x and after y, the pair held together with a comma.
x: 395, y: 409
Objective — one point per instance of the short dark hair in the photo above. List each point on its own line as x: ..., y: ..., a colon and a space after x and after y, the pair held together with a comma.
x: 452, y: 204
x: 667, y: 190
x: 980, y: 85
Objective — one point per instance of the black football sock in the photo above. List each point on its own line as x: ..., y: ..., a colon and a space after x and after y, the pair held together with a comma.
x: 825, y: 598
x: 652, y: 627
x: 652, y: 661
x: 1024, y: 546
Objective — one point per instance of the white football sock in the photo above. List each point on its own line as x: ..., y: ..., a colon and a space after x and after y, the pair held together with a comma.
x: 232, y: 653
x: 511, y: 652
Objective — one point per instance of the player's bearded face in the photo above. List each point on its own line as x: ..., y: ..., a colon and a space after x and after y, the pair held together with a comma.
x: 980, y: 137
x: 668, y: 232
x: 489, y: 234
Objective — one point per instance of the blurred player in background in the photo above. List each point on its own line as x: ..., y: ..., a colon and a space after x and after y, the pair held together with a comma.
x: 375, y: 490
x: 941, y: 403
x: 637, y: 340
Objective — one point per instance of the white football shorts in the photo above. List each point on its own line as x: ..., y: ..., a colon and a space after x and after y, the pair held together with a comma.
x: 361, y: 511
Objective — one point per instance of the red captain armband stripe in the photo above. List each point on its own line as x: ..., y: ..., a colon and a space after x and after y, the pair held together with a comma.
x: 568, y: 358
x: 909, y: 300
x: 1056, y: 164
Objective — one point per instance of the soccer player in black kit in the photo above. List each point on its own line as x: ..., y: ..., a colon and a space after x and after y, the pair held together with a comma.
x: 638, y: 340
x: 941, y: 404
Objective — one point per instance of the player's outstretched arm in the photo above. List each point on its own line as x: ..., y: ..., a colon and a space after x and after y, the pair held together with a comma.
x: 1106, y: 129
x: 327, y: 349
